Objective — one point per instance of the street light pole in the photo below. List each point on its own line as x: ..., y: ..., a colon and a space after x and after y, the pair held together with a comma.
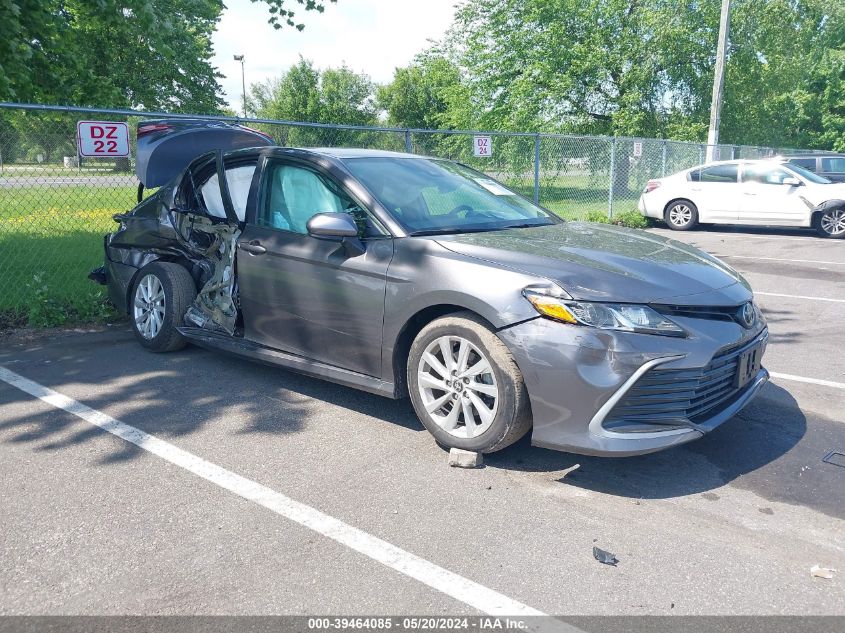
x: 240, y: 58
x: 718, y: 79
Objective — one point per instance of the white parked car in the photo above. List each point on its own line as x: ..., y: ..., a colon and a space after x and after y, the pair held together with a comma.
x: 757, y: 192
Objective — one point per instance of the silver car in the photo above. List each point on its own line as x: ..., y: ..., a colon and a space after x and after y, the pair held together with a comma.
x: 411, y: 276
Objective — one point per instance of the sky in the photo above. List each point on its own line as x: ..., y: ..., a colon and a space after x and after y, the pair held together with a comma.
x: 370, y: 36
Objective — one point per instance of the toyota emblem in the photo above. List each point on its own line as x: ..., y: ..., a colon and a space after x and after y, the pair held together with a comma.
x: 747, y: 314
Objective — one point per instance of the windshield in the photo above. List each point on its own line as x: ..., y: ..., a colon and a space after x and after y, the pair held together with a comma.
x: 807, y: 174
x: 429, y: 197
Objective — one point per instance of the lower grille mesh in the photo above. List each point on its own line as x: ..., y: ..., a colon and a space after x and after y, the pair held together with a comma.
x: 666, y: 396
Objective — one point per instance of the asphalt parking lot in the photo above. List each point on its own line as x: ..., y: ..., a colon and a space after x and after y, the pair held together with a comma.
x: 265, y: 492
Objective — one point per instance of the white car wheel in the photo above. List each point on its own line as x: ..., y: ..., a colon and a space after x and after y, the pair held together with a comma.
x: 832, y: 223
x: 681, y: 215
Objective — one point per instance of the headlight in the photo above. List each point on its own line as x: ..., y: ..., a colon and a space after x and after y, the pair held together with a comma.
x: 605, y: 316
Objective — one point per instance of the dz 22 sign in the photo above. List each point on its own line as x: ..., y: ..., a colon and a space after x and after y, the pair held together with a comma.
x: 102, y: 139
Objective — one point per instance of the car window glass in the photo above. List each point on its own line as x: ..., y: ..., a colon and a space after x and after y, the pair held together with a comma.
x: 239, y: 180
x: 293, y: 194
x: 716, y: 173
x: 765, y: 174
x: 835, y: 164
x: 429, y: 195
x: 806, y: 163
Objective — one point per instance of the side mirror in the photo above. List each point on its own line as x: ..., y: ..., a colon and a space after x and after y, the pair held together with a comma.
x: 792, y: 182
x: 335, y: 226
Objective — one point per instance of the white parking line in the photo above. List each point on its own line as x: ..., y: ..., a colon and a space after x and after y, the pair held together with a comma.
x: 777, y: 259
x: 449, y: 583
x: 812, y: 381
x: 777, y: 294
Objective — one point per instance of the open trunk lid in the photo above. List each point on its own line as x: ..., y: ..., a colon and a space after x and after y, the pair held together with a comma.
x: 166, y: 147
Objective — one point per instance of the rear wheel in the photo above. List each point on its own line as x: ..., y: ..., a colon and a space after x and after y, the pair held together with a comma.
x: 161, y: 295
x: 465, y: 385
x: 681, y: 215
x: 831, y: 223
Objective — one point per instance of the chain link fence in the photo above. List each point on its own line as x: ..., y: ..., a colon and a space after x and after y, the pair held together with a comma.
x: 55, y: 206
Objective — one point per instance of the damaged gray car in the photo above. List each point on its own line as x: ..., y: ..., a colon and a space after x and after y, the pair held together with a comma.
x: 408, y: 276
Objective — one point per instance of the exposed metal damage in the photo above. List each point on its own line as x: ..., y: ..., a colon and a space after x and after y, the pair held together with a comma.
x: 215, y: 307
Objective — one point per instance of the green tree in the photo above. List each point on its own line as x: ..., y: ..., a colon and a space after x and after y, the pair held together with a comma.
x: 306, y: 94
x: 782, y: 72
x: 420, y: 94
x: 154, y: 54
x: 645, y: 68
x: 609, y: 66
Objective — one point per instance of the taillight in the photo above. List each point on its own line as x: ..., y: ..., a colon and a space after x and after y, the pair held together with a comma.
x: 651, y: 185
x: 152, y: 127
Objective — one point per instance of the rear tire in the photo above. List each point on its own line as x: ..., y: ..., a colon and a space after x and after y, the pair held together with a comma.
x: 681, y: 215
x: 830, y: 223
x: 466, y: 387
x: 161, y: 295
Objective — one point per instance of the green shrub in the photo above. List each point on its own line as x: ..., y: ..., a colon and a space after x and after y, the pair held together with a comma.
x: 631, y: 219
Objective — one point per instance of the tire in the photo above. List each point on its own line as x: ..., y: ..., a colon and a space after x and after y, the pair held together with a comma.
x: 506, y: 416
x: 155, y: 318
x: 681, y: 215
x: 830, y: 223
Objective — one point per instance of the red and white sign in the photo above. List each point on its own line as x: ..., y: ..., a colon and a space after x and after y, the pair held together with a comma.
x: 482, y: 146
x: 638, y: 149
x: 102, y: 138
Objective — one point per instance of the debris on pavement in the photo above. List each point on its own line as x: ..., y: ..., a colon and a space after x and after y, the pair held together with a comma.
x: 568, y: 470
x: 465, y: 459
x: 604, y: 557
x: 821, y: 572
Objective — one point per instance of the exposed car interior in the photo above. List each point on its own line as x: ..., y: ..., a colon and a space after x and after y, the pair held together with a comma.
x: 239, y: 179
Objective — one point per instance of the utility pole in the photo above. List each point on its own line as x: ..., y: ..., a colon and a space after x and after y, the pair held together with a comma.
x: 240, y: 58
x: 718, y: 79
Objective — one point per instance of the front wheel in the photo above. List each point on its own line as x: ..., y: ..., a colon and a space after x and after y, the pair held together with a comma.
x: 466, y: 387
x: 681, y: 215
x: 161, y: 295
x: 831, y: 223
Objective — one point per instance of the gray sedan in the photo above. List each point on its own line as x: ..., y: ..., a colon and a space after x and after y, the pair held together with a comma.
x: 411, y: 276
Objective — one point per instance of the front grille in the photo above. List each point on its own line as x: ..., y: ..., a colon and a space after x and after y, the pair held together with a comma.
x: 716, y: 313
x: 667, y: 397
x: 713, y: 313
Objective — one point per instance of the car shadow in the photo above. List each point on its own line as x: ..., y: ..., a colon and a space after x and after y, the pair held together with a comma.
x: 179, y: 394
x: 758, y: 446
x: 773, y: 231
x: 172, y: 395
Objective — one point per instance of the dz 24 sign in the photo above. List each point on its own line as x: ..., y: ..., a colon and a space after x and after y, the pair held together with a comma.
x: 482, y: 146
x: 102, y: 138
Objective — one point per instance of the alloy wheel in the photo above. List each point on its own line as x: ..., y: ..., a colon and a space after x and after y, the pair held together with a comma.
x: 833, y: 222
x: 458, y: 387
x: 680, y: 215
x: 149, y: 306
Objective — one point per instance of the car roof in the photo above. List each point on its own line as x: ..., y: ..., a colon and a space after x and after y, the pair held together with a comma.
x: 335, y: 154
x: 715, y: 163
x: 354, y: 152
x: 819, y: 154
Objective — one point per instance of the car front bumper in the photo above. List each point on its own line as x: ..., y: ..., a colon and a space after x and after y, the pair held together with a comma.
x: 578, y: 378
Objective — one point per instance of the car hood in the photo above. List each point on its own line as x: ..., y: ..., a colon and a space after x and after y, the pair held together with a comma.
x: 606, y: 263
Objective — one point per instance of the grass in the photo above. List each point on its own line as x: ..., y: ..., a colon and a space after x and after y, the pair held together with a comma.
x: 51, y: 238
